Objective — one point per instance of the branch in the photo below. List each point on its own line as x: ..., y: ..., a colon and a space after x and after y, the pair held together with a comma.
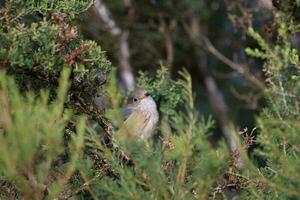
x: 127, y: 81
x: 106, y: 17
x: 126, y: 75
x: 216, y: 97
x: 75, y: 90
x: 166, y: 30
x: 94, y: 115
x: 203, y: 42
x: 239, y: 68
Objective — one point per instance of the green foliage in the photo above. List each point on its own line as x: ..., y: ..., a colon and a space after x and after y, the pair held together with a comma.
x: 37, y: 38
x: 289, y: 10
x: 47, y: 151
x: 282, y: 69
x: 167, y: 92
x: 41, y: 140
x: 31, y: 137
x: 183, y: 165
x: 49, y: 46
x: 279, y: 127
x: 18, y: 8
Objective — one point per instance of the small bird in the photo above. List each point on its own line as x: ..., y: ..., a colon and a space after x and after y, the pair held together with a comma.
x: 140, y: 115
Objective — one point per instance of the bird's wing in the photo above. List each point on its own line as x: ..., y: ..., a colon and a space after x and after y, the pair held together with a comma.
x: 126, y: 112
x: 135, y: 124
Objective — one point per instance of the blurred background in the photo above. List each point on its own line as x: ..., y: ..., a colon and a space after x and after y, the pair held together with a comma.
x: 207, y: 37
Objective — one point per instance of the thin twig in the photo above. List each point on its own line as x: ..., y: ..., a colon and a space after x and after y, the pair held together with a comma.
x: 203, y: 42
x: 239, y: 68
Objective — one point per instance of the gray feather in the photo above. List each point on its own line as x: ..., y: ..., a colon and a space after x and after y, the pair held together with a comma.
x: 126, y: 112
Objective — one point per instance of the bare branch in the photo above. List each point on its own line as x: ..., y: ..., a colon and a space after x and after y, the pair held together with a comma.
x: 239, y: 68
x: 126, y: 75
x: 166, y: 30
x: 127, y: 81
x: 216, y: 97
x: 106, y: 17
x: 203, y: 42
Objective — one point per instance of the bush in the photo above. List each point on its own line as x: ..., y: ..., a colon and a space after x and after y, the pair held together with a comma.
x: 51, y: 131
x: 278, y: 123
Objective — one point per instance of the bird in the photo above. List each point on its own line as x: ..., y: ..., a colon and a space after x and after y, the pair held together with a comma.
x: 140, y: 115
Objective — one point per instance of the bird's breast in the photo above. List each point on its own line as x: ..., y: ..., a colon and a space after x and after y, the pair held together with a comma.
x: 143, y: 119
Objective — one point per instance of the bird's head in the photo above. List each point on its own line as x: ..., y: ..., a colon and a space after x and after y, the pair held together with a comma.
x: 141, y: 99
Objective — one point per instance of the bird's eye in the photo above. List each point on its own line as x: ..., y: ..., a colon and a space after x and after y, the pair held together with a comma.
x: 147, y: 94
x: 135, y: 99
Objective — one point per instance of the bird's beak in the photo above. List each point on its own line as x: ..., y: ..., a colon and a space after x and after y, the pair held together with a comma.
x: 145, y: 96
